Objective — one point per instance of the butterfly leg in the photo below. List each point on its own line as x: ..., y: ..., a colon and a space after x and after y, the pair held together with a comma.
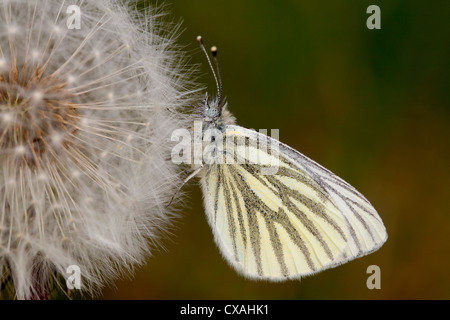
x: 193, y: 174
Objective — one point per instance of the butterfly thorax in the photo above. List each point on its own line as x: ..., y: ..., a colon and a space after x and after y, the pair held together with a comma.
x: 215, y: 118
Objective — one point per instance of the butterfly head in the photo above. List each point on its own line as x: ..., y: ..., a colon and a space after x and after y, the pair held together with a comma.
x: 211, y: 108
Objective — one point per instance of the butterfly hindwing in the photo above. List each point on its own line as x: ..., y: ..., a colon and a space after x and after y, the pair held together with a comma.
x: 366, y: 229
x: 298, y: 221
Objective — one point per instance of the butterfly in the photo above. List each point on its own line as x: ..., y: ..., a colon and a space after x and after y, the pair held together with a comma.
x: 295, y: 220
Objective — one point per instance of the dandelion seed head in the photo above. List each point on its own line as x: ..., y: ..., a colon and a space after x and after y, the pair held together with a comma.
x: 82, y: 180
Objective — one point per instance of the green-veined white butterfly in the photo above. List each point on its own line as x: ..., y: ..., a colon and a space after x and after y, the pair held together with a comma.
x: 298, y: 221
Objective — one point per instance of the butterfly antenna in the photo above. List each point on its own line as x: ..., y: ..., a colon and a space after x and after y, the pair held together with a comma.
x: 219, y: 88
x: 218, y: 84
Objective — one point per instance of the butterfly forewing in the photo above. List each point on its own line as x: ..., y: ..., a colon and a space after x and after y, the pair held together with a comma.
x: 285, y: 224
x: 366, y: 229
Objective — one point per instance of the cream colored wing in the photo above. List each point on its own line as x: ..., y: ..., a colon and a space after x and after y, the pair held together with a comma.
x: 296, y: 221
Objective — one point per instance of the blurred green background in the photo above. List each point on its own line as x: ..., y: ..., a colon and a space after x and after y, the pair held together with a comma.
x: 373, y: 106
